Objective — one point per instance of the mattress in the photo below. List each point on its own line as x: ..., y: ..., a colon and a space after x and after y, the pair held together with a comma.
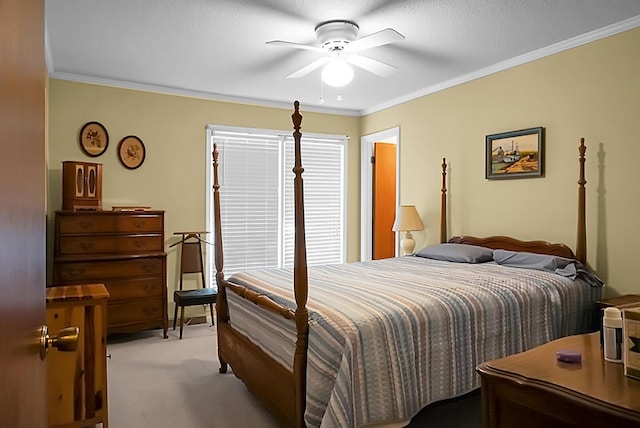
x: 388, y: 337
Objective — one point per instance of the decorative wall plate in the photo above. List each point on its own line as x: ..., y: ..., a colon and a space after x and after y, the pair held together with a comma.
x: 131, y: 151
x: 94, y: 139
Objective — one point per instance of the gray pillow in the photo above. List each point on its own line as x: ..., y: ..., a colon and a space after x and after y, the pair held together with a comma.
x: 569, y: 268
x: 531, y: 260
x: 459, y: 253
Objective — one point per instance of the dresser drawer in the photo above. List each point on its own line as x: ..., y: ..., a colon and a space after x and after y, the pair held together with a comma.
x: 84, y: 223
x: 108, y: 222
x: 97, y: 244
x: 139, y: 311
x: 137, y: 223
x: 138, y: 288
x: 103, y: 270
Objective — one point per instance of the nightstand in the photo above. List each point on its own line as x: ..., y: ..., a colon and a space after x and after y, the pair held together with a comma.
x: 533, y: 389
x: 620, y: 302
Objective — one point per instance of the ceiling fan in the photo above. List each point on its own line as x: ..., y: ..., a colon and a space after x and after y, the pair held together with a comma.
x: 338, y: 40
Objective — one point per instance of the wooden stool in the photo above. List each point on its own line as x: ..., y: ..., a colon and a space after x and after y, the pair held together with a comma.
x: 191, y: 262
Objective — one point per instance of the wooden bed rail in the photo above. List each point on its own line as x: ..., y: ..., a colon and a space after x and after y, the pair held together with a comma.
x: 261, y: 300
x: 300, y: 279
x: 443, y: 203
x: 222, y: 309
x: 581, y: 240
x: 232, y: 345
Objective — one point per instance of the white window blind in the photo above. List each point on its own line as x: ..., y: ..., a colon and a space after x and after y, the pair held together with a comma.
x: 256, y: 198
x: 323, y: 162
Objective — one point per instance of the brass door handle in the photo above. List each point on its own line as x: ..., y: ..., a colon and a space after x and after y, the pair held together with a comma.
x: 65, y: 341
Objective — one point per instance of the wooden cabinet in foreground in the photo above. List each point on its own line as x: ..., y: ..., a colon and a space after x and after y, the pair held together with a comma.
x: 77, y: 380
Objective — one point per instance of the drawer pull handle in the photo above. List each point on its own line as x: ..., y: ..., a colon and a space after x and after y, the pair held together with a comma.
x: 148, y: 267
x: 150, y: 311
x: 85, y: 224
x: 87, y: 245
x: 149, y: 288
x: 74, y: 272
x: 139, y: 224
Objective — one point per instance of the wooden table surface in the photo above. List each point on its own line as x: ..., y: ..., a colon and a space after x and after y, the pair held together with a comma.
x: 536, y: 380
x: 69, y: 293
x: 593, y: 377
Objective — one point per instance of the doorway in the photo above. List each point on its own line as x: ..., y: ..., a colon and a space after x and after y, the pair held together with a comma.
x: 389, y: 137
x: 384, y: 200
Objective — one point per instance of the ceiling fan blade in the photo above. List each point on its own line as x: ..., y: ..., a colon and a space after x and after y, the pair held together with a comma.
x: 309, y: 68
x: 382, y: 37
x: 294, y: 45
x: 372, y: 65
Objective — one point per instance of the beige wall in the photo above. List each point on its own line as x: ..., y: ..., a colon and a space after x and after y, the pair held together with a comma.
x: 592, y: 91
x: 172, y: 177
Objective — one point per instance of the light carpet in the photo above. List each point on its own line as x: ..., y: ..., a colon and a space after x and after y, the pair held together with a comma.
x: 172, y: 383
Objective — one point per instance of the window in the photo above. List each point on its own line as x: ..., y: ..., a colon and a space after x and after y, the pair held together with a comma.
x: 256, y: 197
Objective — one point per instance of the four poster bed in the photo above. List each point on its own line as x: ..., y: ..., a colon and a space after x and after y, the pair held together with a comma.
x: 372, y: 343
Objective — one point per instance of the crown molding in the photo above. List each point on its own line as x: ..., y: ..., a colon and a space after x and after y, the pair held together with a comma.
x: 72, y: 77
x: 513, y: 62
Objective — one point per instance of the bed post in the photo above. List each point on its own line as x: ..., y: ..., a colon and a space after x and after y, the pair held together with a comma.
x: 581, y: 242
x: 222, y: 310
x: 443, y: 203
x: 300, y: 280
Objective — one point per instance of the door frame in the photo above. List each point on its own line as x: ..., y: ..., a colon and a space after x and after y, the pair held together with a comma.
x: 391, y: 136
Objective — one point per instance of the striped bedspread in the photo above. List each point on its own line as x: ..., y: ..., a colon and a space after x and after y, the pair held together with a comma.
x: 388, y: 337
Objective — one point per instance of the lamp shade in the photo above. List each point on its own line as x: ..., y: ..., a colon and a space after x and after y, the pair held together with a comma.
x: 407, y: 218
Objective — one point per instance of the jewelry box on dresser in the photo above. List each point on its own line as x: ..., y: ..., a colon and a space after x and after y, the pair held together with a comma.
x: 81, y: 186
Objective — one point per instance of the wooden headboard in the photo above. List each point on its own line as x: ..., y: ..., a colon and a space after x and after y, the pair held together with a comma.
x: 513, y: 244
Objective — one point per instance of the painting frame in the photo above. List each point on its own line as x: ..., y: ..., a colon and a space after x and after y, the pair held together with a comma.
x: 515, y: 154
x: 131, y: 152
x: 93, y: 139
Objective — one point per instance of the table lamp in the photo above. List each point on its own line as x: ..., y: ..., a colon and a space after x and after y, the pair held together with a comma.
x: 407, y: 219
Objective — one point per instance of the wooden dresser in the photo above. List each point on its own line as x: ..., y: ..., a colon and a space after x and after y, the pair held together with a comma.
x: 533, y: 389
x: 125, y: 252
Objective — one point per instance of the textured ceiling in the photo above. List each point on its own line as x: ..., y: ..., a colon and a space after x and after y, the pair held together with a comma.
x: 216, y: 48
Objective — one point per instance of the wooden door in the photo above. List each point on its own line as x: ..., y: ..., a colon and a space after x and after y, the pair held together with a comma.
x: 384, y: 200
x: 22, y: 213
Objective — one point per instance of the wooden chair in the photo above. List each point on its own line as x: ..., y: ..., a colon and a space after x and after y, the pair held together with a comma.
x: 191, y: 262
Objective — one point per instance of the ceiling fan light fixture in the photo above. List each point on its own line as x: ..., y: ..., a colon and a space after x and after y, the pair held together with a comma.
x: 337, y: 73
x: 336, y: 33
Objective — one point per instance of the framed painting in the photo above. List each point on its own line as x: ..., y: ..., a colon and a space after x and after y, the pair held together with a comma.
x: 515, y: 154
x: 131, y: 152
x: 94, y: 139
